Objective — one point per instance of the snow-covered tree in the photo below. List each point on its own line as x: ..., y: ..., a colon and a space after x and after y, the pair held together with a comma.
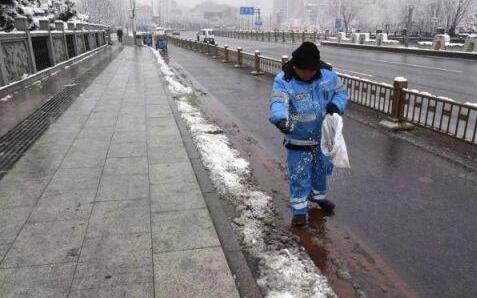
x: 34, y: 10
x: 107, y: 12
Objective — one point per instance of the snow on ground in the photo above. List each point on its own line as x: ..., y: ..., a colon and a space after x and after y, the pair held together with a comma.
x: 6, y: 98
x: 285, y: 270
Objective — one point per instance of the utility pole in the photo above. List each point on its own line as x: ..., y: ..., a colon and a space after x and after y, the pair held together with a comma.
x: 257, y: 20
x: 133, y: 18
x: 408, y: 25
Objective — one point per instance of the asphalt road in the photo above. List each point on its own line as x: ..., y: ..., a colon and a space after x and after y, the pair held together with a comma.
x: 415, y: 209
x: 449, y: 77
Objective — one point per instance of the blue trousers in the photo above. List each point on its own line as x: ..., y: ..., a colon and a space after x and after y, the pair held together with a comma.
x: 307, y: 175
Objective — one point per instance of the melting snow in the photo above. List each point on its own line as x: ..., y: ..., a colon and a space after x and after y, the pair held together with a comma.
x: 6, y: 98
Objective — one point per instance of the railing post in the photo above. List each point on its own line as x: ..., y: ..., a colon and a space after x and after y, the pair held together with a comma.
x: 60, y: 26
x: 269, y: 36
x: 72, y: 27
x: 303, y: 36
x: 3, y: 69
x: 239, y: 58
x: 283, y: 36
x: 398, y: 103
x: 257, y: 71
x: 397, y: 120
x: 226, y: 54
x: 293, y: 36
x: 284, y: 60
x: 110, y: 39
x: 21, y: 24
x: 45, y: 26
x: 216, y: 51
x: 79, y: 27
x: 208, y: 49
x: 263, y: 36
x: 275, y: 35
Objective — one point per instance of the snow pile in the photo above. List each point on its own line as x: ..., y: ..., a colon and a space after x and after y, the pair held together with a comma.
x: 285, y: 270
x: 6, y: 98
x: 425, y: 43
x: 454, y: 45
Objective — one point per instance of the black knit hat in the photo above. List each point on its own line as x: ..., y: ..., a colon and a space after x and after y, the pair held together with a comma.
x: 306, y: 56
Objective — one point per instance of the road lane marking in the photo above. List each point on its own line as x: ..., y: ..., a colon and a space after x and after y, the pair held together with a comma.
x: 420, y: 66
x: 360, y: 73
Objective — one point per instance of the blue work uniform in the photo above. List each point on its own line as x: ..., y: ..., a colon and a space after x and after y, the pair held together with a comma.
x: 303, y: 105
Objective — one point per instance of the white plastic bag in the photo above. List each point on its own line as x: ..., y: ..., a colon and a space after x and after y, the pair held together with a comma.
x: 332, y: 141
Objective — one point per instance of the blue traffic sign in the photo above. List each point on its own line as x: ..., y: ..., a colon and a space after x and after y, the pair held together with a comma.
x: 258, y: 23
x: 247, y: 11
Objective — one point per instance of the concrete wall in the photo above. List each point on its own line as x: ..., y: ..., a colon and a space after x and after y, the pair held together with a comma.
x: 16, y: 59
x: 59, y: 49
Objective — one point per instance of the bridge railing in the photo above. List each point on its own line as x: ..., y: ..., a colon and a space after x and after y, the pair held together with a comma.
x: 24, y: 52
x: 441, y: 114
x: 401, y: 104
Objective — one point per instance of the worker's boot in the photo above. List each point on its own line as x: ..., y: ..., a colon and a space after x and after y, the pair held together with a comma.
x: 299, y: 220
x: 326, y: 205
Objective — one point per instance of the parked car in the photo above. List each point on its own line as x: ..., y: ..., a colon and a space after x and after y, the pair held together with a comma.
x: 206, y: 36
x: 175, y: 32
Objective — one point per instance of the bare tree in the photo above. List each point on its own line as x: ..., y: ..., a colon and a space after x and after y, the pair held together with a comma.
x: 348, y: 10
x: 107, y: 12
x: 455, y: 11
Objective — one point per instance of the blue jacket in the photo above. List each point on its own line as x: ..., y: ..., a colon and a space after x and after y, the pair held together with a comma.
x: 304, y: 105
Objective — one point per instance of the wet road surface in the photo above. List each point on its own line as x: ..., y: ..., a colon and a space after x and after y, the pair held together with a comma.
x: 412, y: 213
x: 450, y: 77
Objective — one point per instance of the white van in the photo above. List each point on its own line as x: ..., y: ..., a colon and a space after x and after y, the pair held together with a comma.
x: 206, y: 36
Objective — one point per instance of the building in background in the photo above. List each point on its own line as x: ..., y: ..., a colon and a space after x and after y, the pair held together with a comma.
x: 144, y: 18
x: 164, y: 9
x: 311, y: 13
x: 280, y: 13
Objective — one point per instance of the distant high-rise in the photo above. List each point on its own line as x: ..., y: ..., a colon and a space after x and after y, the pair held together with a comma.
x: 164, y: 11
x: 280, y: 13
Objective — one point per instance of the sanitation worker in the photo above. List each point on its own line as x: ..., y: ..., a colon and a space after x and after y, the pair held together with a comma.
x: 303, y: 93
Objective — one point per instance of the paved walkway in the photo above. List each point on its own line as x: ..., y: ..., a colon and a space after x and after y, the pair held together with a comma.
x: 106, y: 203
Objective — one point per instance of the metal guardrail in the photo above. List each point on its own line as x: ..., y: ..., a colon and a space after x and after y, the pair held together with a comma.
x: 275, y: 36
x: 440, y: 114
x: 397, y: 101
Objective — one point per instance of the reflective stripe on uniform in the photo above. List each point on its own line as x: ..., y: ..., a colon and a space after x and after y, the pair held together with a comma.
x: 302, y: 142
x: 299, y: 203
x: 303, y: 118
x: 319, y: 195
x: 298, y: 206
x: 279, y: 97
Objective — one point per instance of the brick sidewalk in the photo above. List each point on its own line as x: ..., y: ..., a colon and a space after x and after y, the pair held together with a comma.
x: 106, y: 203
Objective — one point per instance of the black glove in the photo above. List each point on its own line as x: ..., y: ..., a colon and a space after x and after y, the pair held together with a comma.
x: 331, y: 109
x: 284, y: 126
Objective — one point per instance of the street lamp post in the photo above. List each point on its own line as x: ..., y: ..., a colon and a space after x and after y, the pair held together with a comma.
x: 133, y: 18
